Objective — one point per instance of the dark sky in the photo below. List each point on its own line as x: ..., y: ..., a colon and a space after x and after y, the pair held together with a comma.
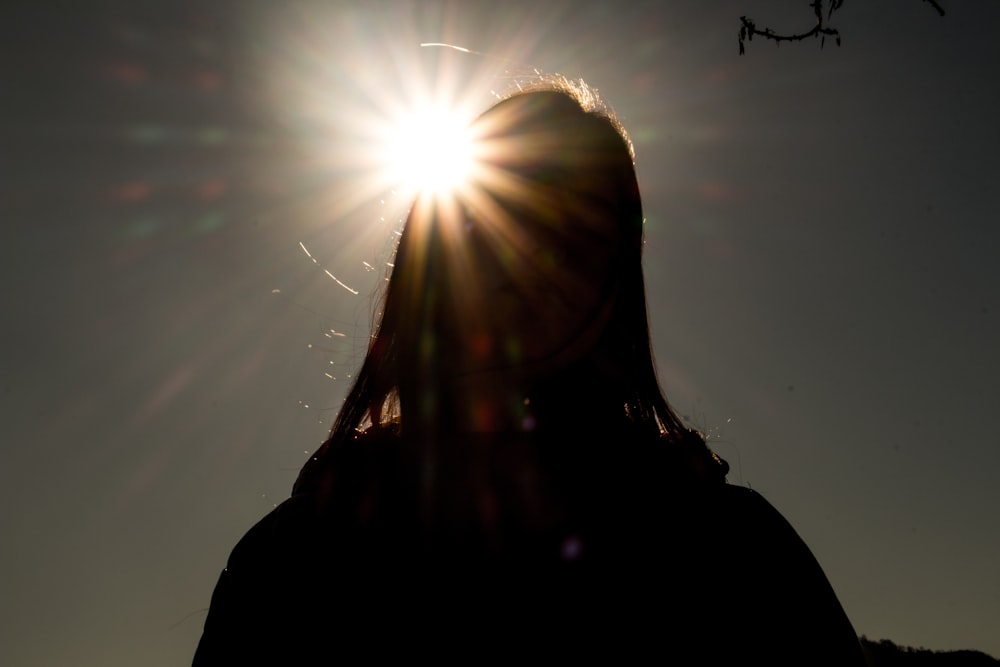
x: 821, y: 264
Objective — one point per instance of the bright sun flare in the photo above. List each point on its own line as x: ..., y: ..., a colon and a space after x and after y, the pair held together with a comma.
x: 430, y: 151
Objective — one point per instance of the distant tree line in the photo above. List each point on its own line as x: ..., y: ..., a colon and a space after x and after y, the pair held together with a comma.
x: 822, y: 11
x: 884, y: 653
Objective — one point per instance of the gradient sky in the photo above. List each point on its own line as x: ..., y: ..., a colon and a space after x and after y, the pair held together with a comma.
x: 821, y: 263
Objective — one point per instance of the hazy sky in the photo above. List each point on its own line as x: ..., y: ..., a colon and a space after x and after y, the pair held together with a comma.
x: 822, y: 235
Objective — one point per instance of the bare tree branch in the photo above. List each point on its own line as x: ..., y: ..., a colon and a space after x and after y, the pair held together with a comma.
x: 748, y: 28
x: 936, y: 6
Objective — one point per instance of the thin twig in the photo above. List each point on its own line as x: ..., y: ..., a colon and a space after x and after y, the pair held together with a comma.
x: 748, y: 28
x: 936, y: 6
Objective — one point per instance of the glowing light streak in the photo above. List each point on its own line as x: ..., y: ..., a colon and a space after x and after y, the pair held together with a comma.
x: 337, y: 280
x: 450, y: 46
x: 308, y: 254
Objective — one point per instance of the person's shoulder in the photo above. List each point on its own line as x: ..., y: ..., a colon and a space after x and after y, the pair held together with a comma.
x: 769, y: 560
x: 272, y: 532
x: 334, y: 472
x: 768, y: 540
x: 745, y: 497
x: 751, y: 504
x: 333, y: 469
x: 345, y: 457
x: 752, y: 511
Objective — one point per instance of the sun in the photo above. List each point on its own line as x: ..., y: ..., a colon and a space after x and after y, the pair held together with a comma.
x: 430, y: 151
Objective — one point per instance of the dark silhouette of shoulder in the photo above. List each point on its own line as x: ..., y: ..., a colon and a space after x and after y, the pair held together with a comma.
x: 649, y: 550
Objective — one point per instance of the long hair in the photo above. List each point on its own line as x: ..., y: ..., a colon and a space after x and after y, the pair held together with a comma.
x: 400, y: 380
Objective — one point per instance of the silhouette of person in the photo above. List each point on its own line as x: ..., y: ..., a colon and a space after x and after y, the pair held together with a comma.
x: 506, y: 479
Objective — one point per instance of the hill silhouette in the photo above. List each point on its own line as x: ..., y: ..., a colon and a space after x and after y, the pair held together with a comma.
x: 884, y: 653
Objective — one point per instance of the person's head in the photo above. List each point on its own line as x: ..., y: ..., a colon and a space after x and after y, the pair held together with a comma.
x: 528, y: 282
